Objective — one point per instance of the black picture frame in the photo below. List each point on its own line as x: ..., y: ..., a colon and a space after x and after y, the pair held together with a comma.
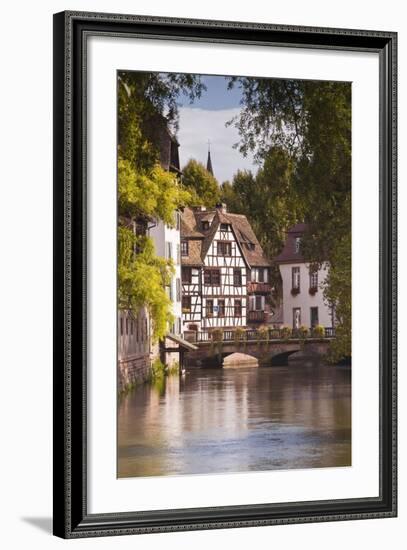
x: 71, y: 519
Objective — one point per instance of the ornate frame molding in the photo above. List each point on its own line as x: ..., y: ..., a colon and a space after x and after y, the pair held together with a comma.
x: 71, y: 30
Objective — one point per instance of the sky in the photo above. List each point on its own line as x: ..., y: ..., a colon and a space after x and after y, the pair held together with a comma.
x: 206, y: 120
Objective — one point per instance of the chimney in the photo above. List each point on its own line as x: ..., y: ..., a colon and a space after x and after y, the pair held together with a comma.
x: 199, y: 208
x: 221, y: 206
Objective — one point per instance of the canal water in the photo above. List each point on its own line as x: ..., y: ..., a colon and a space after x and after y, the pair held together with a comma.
x: 237, y: 420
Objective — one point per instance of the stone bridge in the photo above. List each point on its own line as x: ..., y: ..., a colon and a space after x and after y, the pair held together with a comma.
x: 270, y: 352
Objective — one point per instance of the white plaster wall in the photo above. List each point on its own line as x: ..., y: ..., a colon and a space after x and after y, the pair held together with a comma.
x: 304, y: 299
x: 161, y: 234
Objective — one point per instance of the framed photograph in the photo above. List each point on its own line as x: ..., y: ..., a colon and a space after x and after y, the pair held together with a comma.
x: 224, y: 274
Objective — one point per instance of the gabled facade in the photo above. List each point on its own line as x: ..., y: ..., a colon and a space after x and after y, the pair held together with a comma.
x: 303, y: 300
x: 225, y: 275
x: 224, y: 279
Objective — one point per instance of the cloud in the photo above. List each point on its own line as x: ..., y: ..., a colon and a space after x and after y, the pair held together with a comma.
x: 196, y: 126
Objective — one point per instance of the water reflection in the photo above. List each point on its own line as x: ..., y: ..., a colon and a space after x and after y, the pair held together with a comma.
x: 237, y: 419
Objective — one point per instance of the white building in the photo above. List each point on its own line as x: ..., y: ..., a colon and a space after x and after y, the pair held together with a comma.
x: 303, y: 301
x: 167, y: 244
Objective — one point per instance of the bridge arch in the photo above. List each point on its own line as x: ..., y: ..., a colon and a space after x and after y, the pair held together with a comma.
x: 270, y: 353
x: 281, y: 359
x: 232, y: 359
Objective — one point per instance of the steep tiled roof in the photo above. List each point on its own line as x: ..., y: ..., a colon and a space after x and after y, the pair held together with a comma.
x: 250, y: 246
x: 288, y: 254
x: 194, y: 257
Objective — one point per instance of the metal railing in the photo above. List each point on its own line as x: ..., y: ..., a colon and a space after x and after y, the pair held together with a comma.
x: 256, y: 316
x: 252, y: 335
x: 258, y: 287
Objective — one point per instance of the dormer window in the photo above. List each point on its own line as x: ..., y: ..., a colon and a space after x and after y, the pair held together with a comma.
x: 184, y: 248
x: 297, y: 244
x: 224, y: 227
x: 205, y: 225
x: 250, y: 246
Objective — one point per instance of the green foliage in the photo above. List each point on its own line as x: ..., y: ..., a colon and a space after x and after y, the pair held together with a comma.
x: 303, y: 331
x: 286, y: 332
x: 157, y: 369
x: 239, y: 334
x: 263, y: 333
x: 154, y: 93
x: 200, y: 183
x: 300, y: 133
x: 268, y: 202
x: 217, y: 335
x: 142, y: 279
x: 318, y: 331
x: 145, y: 190
x: 174, y: 369
x: 338, y: 291
x: 153, y: 193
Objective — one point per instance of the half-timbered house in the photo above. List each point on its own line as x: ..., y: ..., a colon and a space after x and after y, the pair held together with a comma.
x: 220, y: 256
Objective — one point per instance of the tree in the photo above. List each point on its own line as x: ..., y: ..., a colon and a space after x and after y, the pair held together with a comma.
x: 142, y: 278
x: 200, y: 183
x: 311, y: 122
x: 267, y: 202
x: 145, y: 190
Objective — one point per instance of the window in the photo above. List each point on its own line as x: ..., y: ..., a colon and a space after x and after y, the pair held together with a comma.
x: 224, y: 248
x: 250, y: 246
x: 178, y: 254
x: 209, y: 308
x: 296, y: 317
x: 137, y: 330
x: 179, y: 327
x: 169, y: 291
x: 131, y: 327
x: 313, y: 278
x: 168, y: 250
x: 314, y: 317
x: 178, y: 289
x: 184, y: 248
x: 237, y: 277
x: 259, y: 275
x: 295, y: 275
x: 266, y: 275
x: 221, y: 308
x: 205, y: 225
x: 186, y: 304
x: 238, y: 308
x: 177, y: 220
x: 127, y: 325
x: 186, y: 274
x: 259, y: 303
x: 121, y: 326
x: 297, y: 244
x: 224, y: 227
x: 212, y: 277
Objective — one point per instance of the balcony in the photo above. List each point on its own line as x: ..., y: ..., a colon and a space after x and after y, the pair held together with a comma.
x: 257, y: 316
x: 259, y: 288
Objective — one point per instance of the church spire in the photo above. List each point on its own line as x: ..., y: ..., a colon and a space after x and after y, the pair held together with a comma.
x: 209, y: 161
